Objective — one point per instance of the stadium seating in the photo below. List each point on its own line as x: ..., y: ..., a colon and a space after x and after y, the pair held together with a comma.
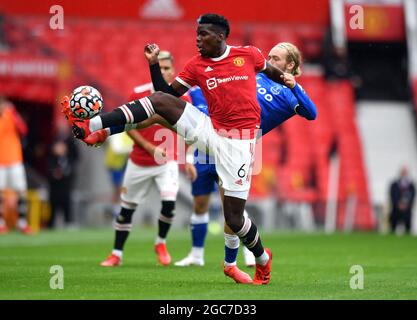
x: 304, y: 175
x: 117, y: 46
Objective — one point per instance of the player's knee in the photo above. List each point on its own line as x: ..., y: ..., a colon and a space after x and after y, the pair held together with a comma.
x: 158, y: 99
x: 201, y: 205
x: 168, y: 209
x: 167, y: 106
x: 234, y: 221
x: 125, y: 216
x: 128, y: 205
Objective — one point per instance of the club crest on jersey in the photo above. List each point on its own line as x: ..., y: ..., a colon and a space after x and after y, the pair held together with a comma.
x: 239, y: 61
x: 276, y: 90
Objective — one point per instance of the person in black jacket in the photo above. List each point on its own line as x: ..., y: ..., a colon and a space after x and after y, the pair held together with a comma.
x: 62, y: 159
x: 402, y: 193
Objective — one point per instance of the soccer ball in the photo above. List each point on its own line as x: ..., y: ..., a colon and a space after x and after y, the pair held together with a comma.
x: 86, y: 102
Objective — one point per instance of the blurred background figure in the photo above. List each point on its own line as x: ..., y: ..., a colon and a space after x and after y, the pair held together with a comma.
x: 62, y: 159
x: 402, y: 194
x: 12, y: 171
x: 337, y: 64
x: 335, y: 60
x: 117, y: 153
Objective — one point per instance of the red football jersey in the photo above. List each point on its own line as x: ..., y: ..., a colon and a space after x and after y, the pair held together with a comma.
x: 155, y: 134
x: 229, y: 86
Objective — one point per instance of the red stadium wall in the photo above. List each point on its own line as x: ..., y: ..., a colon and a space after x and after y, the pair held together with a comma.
x: 301, y: 11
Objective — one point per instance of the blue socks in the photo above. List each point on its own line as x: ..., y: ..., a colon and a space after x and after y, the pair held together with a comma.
x: 199, y: 224
x: 231, y: 249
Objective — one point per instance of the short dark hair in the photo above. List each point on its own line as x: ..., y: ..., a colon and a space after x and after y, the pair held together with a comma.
x: 217, y: 20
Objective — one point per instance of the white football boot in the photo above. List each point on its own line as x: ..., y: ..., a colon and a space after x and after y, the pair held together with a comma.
x: 190, y: 260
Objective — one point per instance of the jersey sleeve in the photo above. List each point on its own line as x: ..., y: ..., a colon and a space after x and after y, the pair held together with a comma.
x: 134, y: 96
x: 306, y: 107
x: 292, y: 101
x: 260, y: 62
x: 187, y: 75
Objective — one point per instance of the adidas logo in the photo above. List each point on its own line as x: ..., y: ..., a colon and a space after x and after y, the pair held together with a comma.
x: 239, y: 182
x: 208, y: 69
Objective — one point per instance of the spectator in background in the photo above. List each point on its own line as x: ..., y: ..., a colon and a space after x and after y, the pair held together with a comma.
x: 61, y: 169
x: 12, y: 170
x: 402, y: 193
x: 336, y: 63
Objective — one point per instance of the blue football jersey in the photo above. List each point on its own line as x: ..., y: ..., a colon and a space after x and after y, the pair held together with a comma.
x: 277, y: 102
x: 198, y: 100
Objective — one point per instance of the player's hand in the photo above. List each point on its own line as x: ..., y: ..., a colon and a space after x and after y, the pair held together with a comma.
x: 152, y: 52
x: 289, y: 80
x: 190, y: 172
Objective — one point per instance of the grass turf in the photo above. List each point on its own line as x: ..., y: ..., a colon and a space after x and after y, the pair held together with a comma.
x: 305, y: 266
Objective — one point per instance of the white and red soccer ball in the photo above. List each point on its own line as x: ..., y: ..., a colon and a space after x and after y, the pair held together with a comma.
x: 86, y: 102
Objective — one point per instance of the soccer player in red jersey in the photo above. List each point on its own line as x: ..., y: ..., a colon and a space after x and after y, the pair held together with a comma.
x: 149, y: 163
x: 227, y: 76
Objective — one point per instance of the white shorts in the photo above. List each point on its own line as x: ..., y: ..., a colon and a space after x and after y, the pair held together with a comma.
x: 138, y: 181
x: 13, y: 177
x: 233, y: 157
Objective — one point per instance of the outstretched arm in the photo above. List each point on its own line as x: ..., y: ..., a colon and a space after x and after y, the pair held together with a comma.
x: 176, y: 89
x: 273, y: 73
x: 306, y: 108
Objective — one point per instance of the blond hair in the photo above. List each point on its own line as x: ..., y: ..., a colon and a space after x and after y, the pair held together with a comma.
x: 165, y: 55
x: 293, y: 55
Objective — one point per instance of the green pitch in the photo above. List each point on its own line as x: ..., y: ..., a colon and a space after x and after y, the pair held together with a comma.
x: 305, y: 266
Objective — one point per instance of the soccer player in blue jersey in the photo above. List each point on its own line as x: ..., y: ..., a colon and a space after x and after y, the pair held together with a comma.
x: 278, y: 104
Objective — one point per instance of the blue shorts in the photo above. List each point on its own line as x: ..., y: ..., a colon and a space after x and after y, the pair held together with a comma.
x: 117, y: 176
x: 206, y: 181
